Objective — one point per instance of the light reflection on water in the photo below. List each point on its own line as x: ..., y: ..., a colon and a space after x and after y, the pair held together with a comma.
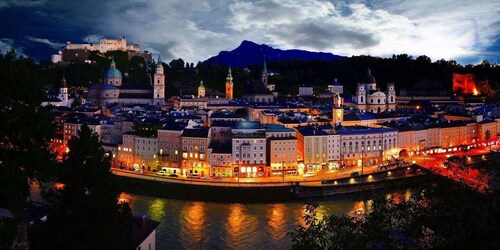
x: 209, y: 225
x: 187, y: 224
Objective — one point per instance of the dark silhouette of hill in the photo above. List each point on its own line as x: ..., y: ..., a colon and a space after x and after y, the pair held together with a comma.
x: 249, y: 53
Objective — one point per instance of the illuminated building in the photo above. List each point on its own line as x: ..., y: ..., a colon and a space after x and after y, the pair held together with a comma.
x: 369, y: 98
x: 229, y: 85
x: 195, y: 142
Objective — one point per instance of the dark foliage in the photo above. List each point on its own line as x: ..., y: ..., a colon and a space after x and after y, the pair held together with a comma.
x: 87, y: 214
x: 439, y: 214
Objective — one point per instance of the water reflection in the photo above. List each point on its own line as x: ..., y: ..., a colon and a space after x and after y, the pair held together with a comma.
x: 195, y: 219
x: 156, y: 210
x: 235, y: 220
x: 184, y: 224
x: 276, y: 219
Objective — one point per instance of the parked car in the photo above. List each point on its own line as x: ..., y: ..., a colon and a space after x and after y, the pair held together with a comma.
x: 354, y: 174
x: 138, y: 171
x: 205, y: 178
x: 173, y: 175
x: 161, y: 173
x: 193, y: 176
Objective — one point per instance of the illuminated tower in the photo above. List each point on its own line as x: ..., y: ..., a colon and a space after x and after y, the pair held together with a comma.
x: 63, y: 92
x: 229, y: 85
x: 159, y: 84
x: 201, y: 90
x: 338, y: 111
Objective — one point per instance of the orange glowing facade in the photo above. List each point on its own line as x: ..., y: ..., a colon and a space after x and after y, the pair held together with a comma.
x: 465, y: 84
x: 229, y: 85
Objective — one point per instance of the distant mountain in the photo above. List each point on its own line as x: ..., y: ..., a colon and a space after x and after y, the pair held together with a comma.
x: 249, y: 53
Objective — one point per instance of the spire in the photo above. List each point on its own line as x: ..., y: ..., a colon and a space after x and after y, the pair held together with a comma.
x: 113, y: 64
x: 159, y: 62
x: 229, y: 77
x: 201, y: 83
x: 264, y: 70
x: 63, y: 82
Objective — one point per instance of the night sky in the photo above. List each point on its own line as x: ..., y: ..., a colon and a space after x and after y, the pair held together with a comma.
x: 465, y: 31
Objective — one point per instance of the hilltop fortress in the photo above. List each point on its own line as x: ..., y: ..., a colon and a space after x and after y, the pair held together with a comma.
x: 78, y: 52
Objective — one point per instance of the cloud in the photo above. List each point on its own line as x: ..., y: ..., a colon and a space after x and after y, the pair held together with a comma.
x: 54, y: 45
x: 195, y: 30
x: 8, y: 44
x: 439, y: 29
x: 21, y: 3
x: 93, y: 38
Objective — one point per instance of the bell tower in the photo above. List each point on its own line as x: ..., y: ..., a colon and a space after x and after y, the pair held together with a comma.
x: 201, y: 90
x: 63, y: 91
x: 338, y: 111
x: 229, y: 85
x: 159, y: 84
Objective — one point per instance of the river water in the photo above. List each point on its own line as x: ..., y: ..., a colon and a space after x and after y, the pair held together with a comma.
x: 208, y: 225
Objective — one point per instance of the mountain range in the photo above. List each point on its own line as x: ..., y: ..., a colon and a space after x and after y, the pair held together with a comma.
x: 249, y: 53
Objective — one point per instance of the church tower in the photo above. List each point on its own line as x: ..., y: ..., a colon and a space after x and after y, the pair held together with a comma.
x: 338, y: 111
x: 264, y: 73
x: 391, y: 97
x: 229, y: 85
x: 201, y: 90
x: 159, y: 84
x: 63, y: 92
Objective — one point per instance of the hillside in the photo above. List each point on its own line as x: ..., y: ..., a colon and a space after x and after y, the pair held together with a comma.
x: 249, y: 53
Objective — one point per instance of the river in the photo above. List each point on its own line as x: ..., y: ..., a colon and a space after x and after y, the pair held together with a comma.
x: 209, y: 225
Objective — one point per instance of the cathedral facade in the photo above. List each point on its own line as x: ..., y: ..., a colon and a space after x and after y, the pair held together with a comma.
x: 370, y: 99
x: 113, y: 91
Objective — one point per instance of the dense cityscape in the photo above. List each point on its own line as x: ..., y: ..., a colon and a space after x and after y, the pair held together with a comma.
x: 108, y: 142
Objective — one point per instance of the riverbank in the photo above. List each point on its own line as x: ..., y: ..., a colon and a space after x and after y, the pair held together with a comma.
x: 291, y: 191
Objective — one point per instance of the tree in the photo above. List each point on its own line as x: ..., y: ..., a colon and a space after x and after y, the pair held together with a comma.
x: 25, y: 133
x: 87, y: 214
x: 439, y: 214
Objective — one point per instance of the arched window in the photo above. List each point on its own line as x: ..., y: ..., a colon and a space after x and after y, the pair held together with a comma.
x: 361, y: 99
x: 392, y: 98
x: 378, y: 100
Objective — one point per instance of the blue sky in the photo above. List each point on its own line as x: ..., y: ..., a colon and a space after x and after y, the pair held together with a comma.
x: 465, y: 31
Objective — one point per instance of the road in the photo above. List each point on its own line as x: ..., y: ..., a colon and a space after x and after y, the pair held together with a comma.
x: 432, y: 162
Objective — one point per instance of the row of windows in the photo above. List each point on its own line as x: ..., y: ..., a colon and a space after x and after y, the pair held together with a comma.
x: 247, y: 141
x: 193, y: 156
x: 249, y: 147
x: 195, y: 148
x: 248, y: 162
x: 200, y: 142
x: 248, y: 155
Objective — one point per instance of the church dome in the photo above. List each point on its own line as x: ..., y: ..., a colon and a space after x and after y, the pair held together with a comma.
x: 112, y: 72
x: 368, y: 77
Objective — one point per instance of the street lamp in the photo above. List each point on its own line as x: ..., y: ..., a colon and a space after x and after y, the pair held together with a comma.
x: 283, y: 171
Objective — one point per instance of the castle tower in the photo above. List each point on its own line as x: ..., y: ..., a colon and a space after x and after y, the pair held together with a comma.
x: 264, y: 73
x: 201, y: 90
x: 229, y: 85
x: 113, y: 75
x: 159, y: 84
x: 63, y: 91
x: 338, y: 111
